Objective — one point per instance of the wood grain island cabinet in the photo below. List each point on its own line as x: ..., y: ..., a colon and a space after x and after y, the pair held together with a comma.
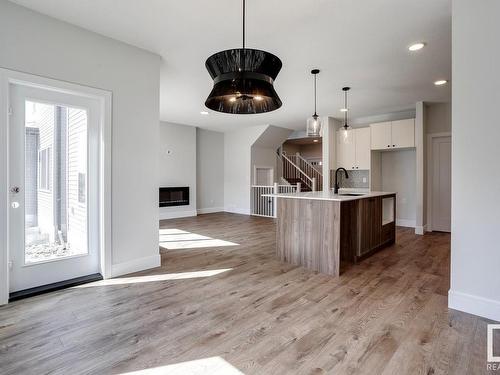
x: 319, y: 230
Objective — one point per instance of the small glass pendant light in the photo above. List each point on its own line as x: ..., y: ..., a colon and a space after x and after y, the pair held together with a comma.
x: 346, y: 127
x: 314, y: 123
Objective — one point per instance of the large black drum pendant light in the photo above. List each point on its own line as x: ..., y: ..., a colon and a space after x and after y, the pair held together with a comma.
x: 243, y: 80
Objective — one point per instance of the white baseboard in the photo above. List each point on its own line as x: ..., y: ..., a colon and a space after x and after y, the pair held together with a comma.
x: 237, y: 210
x: 209, y: 210
x: 406, y: 223
x: 177, y: 214
x: 136, y: 265
x: 480, y: 306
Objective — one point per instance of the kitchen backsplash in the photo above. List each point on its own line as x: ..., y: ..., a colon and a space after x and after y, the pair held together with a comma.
x: 356, y: 180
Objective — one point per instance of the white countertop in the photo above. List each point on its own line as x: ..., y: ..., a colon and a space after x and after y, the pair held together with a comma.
x: 330, y: 196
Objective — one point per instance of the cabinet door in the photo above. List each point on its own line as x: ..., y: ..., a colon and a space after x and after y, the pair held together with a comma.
x: 381, y: 136
x: 346, y: 154
x: 403, y: 133
x: 371, y: 224
x: 363, y: 149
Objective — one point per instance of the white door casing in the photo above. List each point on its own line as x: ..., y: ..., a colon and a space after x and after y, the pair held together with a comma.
x: 25, y: 275
x: 100, y: 144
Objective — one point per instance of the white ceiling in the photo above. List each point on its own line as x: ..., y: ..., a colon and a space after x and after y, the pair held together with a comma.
x: 360, y: 43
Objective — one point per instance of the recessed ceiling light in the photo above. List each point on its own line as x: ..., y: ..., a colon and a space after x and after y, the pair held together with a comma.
x: 441, y: 82
x: 343, y: 109
x: 315, y: 140
x: 416, y: 46
x: 258, y: 98
x: 204, y: 113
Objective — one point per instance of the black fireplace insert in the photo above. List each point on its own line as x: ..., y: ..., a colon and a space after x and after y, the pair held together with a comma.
x: 174, y: 196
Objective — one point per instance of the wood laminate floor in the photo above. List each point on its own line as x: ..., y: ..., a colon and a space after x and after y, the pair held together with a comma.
x: 236, y: 309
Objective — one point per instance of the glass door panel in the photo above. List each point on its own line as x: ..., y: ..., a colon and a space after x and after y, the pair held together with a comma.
x: 55, y: 182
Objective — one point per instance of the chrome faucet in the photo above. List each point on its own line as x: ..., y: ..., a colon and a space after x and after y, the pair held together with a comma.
x: 336, y: 187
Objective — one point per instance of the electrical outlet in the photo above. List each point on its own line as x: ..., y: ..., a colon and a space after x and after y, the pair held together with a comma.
x: 364, y: 180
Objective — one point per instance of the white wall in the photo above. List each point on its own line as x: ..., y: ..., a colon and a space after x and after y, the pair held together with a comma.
x: 262, y: 158
x: 399, y: 174
x: 238, y: 161
x: 209, y: 171
x: 438, y: 118
x: 237, y: 169
x: 37, y: 44
x: 178, y: 165
x: 475, y: 245
x: 329, y: 149
x: 263, y: 150
x: 421, y: 167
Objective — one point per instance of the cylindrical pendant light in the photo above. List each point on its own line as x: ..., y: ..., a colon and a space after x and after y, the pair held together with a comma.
x: 313, y: 128
x: 243, y: 80
x: 346, y: 126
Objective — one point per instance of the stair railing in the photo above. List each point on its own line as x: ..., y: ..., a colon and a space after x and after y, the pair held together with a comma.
x: 309, y: 169
x: 292, y: 171
x: 267, y: 206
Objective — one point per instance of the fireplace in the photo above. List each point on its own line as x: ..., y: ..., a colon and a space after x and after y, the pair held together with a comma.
x: 174, y: 196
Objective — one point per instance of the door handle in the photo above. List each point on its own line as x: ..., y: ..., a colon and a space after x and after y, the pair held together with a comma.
x: 15, y: 189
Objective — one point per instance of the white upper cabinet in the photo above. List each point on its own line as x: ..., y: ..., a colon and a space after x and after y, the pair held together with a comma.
x: 403, y: 133
x: 363, y: 151
x: 346, y: 150
x: 393, y: 134
x: 353, y: 149
x: 381, y: 135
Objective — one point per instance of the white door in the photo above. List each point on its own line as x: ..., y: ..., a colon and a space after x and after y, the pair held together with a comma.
x: 53, y: 179
x: 403, y: 133
x: 441, y: 184
x: 346, y: 151
x: 381, y: 135
x: 363, y: 149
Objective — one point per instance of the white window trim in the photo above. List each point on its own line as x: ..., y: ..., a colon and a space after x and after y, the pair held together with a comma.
x: 8, y: 77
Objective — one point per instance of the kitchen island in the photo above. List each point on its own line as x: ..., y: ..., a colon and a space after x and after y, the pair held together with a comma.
x: 319, y: 230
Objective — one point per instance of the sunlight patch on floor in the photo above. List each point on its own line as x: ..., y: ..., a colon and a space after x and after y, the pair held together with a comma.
x: 205, y: 366
x: 172, y: 231
x: 156, y: 278
x: 174, y: 239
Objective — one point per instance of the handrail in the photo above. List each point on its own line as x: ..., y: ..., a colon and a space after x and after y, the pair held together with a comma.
x: 267, y: 205
x: 309, y: 169
x: 309, y: 165
x: 296, y: 167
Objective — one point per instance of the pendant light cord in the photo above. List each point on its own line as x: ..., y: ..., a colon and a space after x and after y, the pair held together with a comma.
x: 243, y: 53
x: 244, y: 24
x: 345, y: 106
x: 315, y: 95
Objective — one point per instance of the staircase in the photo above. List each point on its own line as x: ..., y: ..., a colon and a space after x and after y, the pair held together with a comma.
x: 295, y: 169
